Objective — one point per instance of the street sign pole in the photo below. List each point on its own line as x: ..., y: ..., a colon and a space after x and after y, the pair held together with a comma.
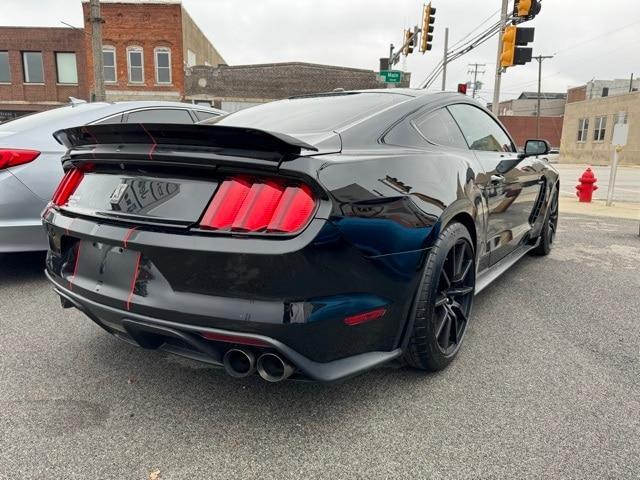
x: 620, y: 135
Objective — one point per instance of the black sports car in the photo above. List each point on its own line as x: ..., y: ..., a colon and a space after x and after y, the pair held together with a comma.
x: 314, y: 237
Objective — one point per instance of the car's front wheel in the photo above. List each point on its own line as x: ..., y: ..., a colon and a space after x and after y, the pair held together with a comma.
x: 443, y: 305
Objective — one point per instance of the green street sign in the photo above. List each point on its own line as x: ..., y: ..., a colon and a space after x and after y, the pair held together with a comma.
x: 391, y: 76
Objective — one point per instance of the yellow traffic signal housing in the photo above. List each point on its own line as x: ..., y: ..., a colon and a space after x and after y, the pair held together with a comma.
x: 508, y: 47
x: 428, y: 19
x: 524, y: 8
x: 409, y: 42
x: 513, y: 41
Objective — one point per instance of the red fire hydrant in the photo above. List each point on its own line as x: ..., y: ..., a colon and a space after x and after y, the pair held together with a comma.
x: 587, y: 186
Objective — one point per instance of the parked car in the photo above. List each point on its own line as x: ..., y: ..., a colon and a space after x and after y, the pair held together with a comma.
x: 315, y: 237
x: 30, y: 166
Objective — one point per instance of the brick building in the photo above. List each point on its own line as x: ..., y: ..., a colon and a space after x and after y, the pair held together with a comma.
x: 523, y: 128
x: 147, y: 46
x: 551, y: 105
x: 240, y: 86
x: 40, y: 68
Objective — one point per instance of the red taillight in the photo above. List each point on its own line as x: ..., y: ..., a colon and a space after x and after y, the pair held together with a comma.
x: 67, y: 186
x: 241, y: 205
x: 365, y: 317
x: 14, y: 157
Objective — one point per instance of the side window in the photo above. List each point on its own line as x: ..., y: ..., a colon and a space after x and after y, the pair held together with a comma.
x: 204, y: 115
x: 480, y: 130
x: 160, y: 115
x: 439, y: 127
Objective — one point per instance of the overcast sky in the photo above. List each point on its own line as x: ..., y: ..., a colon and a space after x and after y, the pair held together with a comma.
x: 601, y: 42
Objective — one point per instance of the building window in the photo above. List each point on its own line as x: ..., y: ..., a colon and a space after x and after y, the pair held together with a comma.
x: 67, y: 68
x: 605, y: 91
x: 163, y: 65
x: 600, y: 129
x: 32, y: 65
x: 136, y: 65
x: 109, y: 70
x: 583, y: 129
x: 621, y: 117
x: 5, y: 76
x: 191, y: 58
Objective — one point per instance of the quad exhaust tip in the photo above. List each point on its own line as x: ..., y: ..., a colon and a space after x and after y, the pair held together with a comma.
x: 239, y: 363
x: 273, y: 368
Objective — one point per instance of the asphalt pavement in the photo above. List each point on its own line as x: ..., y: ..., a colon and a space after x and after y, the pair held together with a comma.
x: 547, y: 385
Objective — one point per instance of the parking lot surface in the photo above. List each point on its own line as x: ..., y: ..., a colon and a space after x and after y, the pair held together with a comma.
x: 547, y: 385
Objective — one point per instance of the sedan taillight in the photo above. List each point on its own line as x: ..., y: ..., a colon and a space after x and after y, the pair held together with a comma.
x: 67, y: 186
x: 243, y: 205
x: 12, y: 157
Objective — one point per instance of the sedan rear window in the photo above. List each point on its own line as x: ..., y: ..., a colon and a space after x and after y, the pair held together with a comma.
x: 311, y: 114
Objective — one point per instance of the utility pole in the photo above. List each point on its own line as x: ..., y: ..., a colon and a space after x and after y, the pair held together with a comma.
x: 474, y: 67
x: 631, y: 84
x: 446, y: 59
x: 496, y: 87
x: 96, y: 50
x: 540, y: 59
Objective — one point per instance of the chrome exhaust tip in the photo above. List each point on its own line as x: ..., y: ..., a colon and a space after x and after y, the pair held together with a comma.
x: 239, y: 363
x: 273, y: 368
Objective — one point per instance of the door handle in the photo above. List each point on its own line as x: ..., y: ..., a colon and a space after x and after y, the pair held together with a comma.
x: 497, y: 179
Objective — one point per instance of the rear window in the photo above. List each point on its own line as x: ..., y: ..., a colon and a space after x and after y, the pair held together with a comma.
x: 311, y: 114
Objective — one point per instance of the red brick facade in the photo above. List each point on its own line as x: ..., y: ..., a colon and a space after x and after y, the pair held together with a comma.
x: 577, y: 94
x: 524, y: 128
x: 147, y: 26
x: 20, y: 96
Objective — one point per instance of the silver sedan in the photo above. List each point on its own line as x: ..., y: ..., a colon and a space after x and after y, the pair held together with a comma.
x: 30, y: 166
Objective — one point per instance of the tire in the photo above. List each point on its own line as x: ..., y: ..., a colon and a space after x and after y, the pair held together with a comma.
x: 549, y: 229
x: 444, y: 300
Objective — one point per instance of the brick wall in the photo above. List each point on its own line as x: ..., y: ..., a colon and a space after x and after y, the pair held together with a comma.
x: 577, y: 94
x: 275, y: 81
x: 141, y: 25
x: 20, y: 96
x: 524, y: 128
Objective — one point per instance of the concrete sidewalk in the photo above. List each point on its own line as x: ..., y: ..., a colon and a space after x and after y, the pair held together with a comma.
x: 597, y: 208
x: 627, y: 182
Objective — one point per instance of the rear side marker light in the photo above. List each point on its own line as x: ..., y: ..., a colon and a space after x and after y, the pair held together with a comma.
x: 271, y: 206
x: 13, y: 157
x: 365, y: 317
x: 68, y: 185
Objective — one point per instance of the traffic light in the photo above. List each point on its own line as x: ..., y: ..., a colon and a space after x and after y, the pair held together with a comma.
x: 428, y: 19
x: 409, y: 42
x: 512, y: 40
x: 526, y: 9
x: 462, y: 88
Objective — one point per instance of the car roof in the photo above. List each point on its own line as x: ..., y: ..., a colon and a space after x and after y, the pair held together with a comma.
x: 338, y: 110
x: 38, y: 127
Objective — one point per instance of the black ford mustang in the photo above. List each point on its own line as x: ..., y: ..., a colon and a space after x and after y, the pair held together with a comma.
x: 315, y: 237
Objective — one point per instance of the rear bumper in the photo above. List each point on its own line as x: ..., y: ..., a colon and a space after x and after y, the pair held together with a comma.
x: 187, y: 340
x: 295, y: 293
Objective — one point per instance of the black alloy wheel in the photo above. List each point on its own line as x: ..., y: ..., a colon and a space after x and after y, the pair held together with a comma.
x: 455, y: 295
x: 550, y: 227
x: 443, y: 305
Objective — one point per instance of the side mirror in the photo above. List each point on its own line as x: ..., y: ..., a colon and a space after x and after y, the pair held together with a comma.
x: 534, y: 148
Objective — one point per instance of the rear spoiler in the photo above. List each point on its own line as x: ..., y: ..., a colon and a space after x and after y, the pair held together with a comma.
x: 224, y: 139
